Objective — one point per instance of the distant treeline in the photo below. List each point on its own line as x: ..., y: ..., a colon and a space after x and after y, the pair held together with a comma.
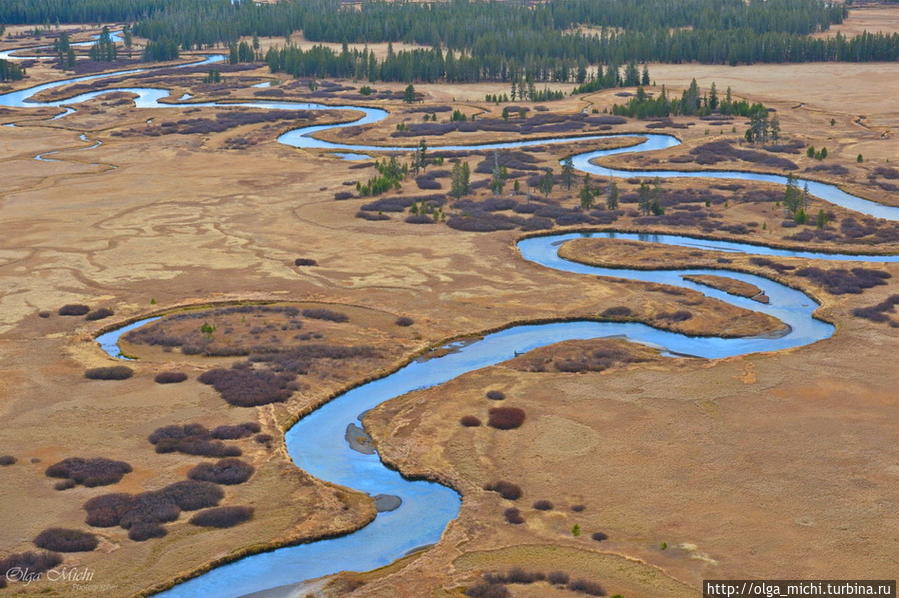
x: 551, y: 41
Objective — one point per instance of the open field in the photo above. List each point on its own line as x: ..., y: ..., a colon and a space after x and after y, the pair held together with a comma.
x: 768, y: 465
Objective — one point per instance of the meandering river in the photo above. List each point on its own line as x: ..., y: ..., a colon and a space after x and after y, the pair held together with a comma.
x: 316, y: 443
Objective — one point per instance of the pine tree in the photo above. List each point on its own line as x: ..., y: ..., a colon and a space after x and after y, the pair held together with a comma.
x: 612, y: 197
x: 409, y: 94
x: 459, y: 179
x: 568, y: 172
x: 586, y: 193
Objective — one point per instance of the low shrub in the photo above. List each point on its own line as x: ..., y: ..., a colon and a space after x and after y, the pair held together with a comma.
x: 680, y: 315
x: 543, y: 505
x: 617, y: 312
x: 140, y: 532
x: 404, y: 321
x: 115, y: 372
x: 234, y: 432
x: 304, y: 261
x: 106, y: 510
x: 170, y: 377
x: 481, y: 222
x: 73, y: 309
x: 557, y: 578
x: 190, y: 439
x: 7, y: 460
x: 599, y: 536
x: 578, y: 508
x: 519, y: 575
x: 149, y: 507
x: 506, y: 418
x: 325, y: 314
x: 222, y: 516
x: 495, y: 395
x: 487, y: 590
x: 99, y: 314
x: 66, y: 540
x: 371, y: 215
x: 247, y: 387
x: 841, y: 281
x: 33, y: 562
x: 470, y: 421
x: 224, y: 471
x: 89, y: 472
x: 513, y: 516
x: 342, y: 195
x: 877, y: 313
x: 507, y: 490
x: 265, y: 439
x: 590, y: 588
x: 191, y: 495
x: 419, y: 219
x: 43, y: 314
x: 766, y: 263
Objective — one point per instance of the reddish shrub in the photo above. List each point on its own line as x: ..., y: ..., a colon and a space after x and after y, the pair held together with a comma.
x: 106, y: 510
x: 141, y: 532
x: 7, y: 460
x: 404, y: 321
x: 543, y: 505
x: 170, y: 377
x: 233, y: 432
x: 265, y: 439
x: 507, y: 490
x: 224, y: 471
x: 513, y: 516
x: 191, y: 495
x: 470, y: 421
x: 617, y: 312
x: 116, y: 372
x: 33, y: 562
x: 150, y: 507
x: 190, y: 439
x: 246, y: 387
x: 304, y: 261
x: 325, y: 314
x: 222, y: 516
x: 73, y: 309
x: 66, y: 540
x: 506, y: 418
x: 89, y: 472
x: 99, y: 314
x: 590, y: 588
x: 495, y: 395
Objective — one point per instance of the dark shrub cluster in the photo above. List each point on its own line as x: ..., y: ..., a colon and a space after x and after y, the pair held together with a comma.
x: 222, y: 122
x: 73, y: 309
x: 578, y: 508
x: 170, y: 377
x: 507, y: 490
x: 617, y: 312
x: 766, y: 263
x: 225, y: 471
x: 513, y: 516
x: 590, y: 588
x: 321, y: 313
x: 265, y: 439
x: 419, y: 219
x: 495, y: 395
x: 99, y: 314
x: 238, y: 431
x: 719, y: 151
x: 680, y: 315
x: 115, y: 372
x: 481, y: 222
x: 374, y: 216
x: 543, y: 505
x: 599, y: 536
x: 342, y: 195
x: 222, y: 517
x: 191, y: 495
x: 400, y: 203
x: 425, y: 181
x: 505, y: 418
x: 66, y: 540
x: 592, y: 361
x: 7, y: 460
x: 404, y: 321
x: 557, y: 578
x: 470, y: 421
x: 34, y: 562
x: 304, y: 261
x: 878, y: 313
x: 831, y: 168
x: 248, y: 387
x: 841, y: 281
x: 89, y: 472
x: 487, y: 590
x: 190, y: 439
x: 141, y: 532
x: 853, y: 229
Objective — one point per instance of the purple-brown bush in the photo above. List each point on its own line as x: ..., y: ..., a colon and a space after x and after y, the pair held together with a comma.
x: 878, y: 312
x: 224, y: 471
x: 33, y: 562
x: 557, y: 578
x: 495, y: 395
x: 170, y: 377
x: 841, y: 281
x: 543, y: 505
x: 73, y: 309
x: 190, y: 439
x: 7, y: 460
x: 506, y: 418
x: 93, y: 472
x: 115, y: 372
x: 513, y: 516
x: 222, y: 516
x: 305, y: 261
x: 487, y: 590
x: 99, y: 314
x: 599, y: 536
x: 590, y: 588
x: 191, y: 495
x: 507, y: 490
x: 140, y: 532
x: 237, y: 431
x: 320, y: 313
x: 66, y: 540
x: 470, y: 421
x: 404, y: 321
x: 247, y: 387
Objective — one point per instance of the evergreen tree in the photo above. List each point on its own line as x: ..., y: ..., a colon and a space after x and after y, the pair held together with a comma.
x: 586, y: 193
x: 612, y: 197
x: 459, y: 180
x: 409, y: 94
x: 568, y: 172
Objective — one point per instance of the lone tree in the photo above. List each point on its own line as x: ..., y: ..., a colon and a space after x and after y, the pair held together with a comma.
x: 498, y: 178
x: 612, y: 198
x: 409, y: 94
x: 586, y: 193
x: 547, y: 181
x: 460, y: 180
x: 568, y: 172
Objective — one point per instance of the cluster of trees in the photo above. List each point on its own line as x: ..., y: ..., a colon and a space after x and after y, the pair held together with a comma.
x: 820, y: 154
x: 104, y: 50
x: 160, y: 50
x: 10, y: 71
x: 390, y: 175
x: 611, y: 77
x: 691, y: 103
x: 796, y: 201
x: 24, y: 12
x: 761, y: 128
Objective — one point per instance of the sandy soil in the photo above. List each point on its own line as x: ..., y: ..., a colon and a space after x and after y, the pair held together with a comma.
x: 147, y: 224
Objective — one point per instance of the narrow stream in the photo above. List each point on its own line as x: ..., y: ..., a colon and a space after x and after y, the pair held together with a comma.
x: 316, y: 443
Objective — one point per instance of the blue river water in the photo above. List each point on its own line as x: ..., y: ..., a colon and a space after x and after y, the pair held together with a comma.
x: 316, y: 443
